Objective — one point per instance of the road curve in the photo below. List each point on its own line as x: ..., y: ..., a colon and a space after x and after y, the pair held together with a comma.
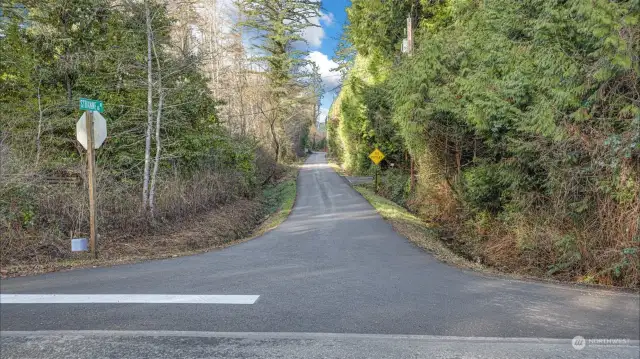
x: 334, y: 266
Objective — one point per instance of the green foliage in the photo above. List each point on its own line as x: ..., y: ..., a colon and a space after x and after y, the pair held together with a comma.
x: 16, y: 207
x: 377, y: 25
x: 363, y: 111
x: 569, y: 254
x: 394, y: 184
x: 278, y: 25
x: 320, y: 145
x: 334, y: 143
x: 519, y: 107
x: 484, y: 188
x: 53, y: 53
x: 280, y: 195
x: 89, y: 49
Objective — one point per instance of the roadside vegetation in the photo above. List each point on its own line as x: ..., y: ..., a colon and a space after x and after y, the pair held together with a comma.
x: 278, y: 201
x: 425, y: 235
x: 514, y: 126
x: 201, y: 136
x: 211, y: 229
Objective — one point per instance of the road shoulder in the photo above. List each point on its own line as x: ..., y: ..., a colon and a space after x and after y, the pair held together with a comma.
x: 428, y: 237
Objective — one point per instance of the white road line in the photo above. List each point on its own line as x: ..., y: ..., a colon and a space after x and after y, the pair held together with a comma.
x: 125, y: 298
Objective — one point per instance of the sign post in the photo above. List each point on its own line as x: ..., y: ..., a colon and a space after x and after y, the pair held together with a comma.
x: 376, y: 157
x: 91, y: 161
x: 91, y: 131
x: 377, y: 167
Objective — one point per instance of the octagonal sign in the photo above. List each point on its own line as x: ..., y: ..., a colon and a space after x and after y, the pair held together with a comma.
x: 99, y: 130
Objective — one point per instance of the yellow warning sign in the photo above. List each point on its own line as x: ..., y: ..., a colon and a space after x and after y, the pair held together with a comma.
x: 376, y: 156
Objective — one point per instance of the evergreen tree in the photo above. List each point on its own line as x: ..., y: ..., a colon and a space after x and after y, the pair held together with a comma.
x: 277, y: 28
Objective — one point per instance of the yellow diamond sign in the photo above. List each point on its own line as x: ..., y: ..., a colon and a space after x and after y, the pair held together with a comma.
x: 376, y: 156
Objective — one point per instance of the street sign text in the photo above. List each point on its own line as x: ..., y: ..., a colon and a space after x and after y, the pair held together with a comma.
x: 91, y: 105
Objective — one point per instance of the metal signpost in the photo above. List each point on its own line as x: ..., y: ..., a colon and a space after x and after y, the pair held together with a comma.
x: 376, y: 156
x: 91, y: 131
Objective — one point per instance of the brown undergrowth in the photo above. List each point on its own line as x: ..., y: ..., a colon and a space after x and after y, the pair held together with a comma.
x: 208, y: 212
x: 203, y: 232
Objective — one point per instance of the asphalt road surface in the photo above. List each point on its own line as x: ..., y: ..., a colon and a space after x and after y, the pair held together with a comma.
x: 333, y: 281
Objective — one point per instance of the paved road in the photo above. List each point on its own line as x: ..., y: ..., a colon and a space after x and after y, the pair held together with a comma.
x: 333, y: 267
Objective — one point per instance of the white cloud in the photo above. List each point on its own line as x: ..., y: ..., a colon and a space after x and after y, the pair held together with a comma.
x: 327, y: 18
x: 315, y: 34
x: 330, y: 79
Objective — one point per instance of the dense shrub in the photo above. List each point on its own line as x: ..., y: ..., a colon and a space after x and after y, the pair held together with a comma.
x: 523, y: 119
x: 394, y: 184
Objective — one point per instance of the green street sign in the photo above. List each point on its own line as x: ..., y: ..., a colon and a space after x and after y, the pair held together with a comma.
x: 91, y: 105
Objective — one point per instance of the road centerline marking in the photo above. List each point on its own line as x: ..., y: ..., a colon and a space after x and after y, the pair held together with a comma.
x: 126, y: 299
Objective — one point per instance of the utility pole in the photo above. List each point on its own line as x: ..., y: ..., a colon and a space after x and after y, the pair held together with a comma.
x: 410, y: 53
x: 409, y: 35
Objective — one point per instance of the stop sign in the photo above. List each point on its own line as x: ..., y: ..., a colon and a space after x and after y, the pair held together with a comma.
x: 99, y: 130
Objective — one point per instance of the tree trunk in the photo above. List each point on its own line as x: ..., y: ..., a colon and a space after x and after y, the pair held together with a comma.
x: 274, y: 137
x: 156, y: 162
x: 40, y: 117
x: 147, y: 148
x: 154, y: 174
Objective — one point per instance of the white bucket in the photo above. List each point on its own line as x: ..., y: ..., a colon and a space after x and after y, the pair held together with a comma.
x: 79, y: 244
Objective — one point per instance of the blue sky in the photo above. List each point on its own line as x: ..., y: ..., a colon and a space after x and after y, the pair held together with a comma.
x: 322, y: 44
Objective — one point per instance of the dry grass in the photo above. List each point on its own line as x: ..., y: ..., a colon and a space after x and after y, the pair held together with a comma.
x: 237, y: 221
x: 601, y: 251
x: 208, y: 211
x: 433, y: 197
x: 41, y: 218
x: 431, y: 237
x: 215, y: 229
x: 584, y: 231
x: 424, y: 235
